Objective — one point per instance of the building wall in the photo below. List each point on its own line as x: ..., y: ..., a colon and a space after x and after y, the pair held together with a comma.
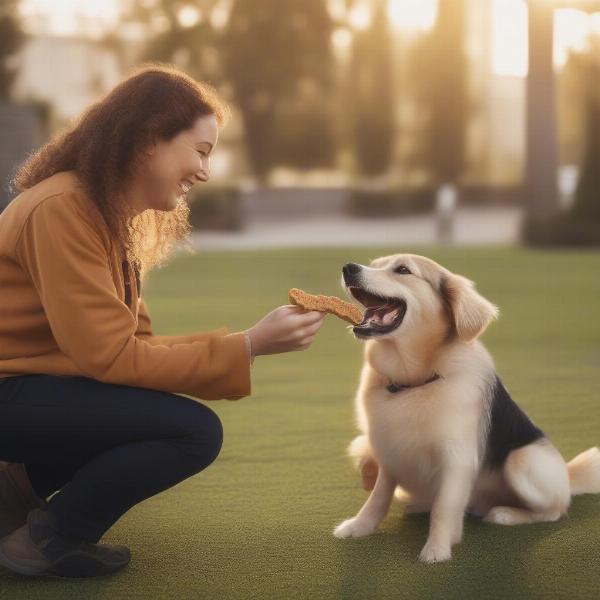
x: 68, y: 72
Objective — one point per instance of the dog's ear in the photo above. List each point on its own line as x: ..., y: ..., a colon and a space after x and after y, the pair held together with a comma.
x: 471, y: 312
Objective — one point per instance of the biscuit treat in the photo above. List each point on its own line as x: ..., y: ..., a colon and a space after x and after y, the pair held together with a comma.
x: 329, y: 304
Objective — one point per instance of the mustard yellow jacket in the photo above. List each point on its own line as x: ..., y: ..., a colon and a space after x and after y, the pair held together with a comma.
x: 70, y: 306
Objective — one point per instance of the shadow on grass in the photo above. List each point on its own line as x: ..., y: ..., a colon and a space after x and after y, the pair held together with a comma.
x: 493, y: 561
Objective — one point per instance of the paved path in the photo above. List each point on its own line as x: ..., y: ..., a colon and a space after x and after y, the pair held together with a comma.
x: 471, y: 226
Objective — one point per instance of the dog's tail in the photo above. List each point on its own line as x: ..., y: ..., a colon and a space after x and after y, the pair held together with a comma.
x: 584, y: 472
x: 362, y: 456
x: 359, y: 450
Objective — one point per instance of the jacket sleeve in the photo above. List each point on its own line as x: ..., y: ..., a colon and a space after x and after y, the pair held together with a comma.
x: 68, y: 262
x: 144, y: 331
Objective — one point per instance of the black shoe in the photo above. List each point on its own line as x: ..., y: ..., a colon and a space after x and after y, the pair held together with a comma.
x: 15, y: 501
x: 38, y: 549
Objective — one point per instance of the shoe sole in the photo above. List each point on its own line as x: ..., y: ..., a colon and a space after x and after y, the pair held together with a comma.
x: 72, y: 566
x: 80, y: 565
x: 24, y: 569
x: 83, y: 566
x: 8, y: 529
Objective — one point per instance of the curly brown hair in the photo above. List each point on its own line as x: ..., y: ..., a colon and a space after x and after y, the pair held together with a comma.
x: 102, y: 147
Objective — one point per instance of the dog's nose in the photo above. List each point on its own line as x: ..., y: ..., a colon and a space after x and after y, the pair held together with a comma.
x: 350, y: 269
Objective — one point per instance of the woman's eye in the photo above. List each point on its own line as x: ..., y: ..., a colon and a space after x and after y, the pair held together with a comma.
x: 402, y: 270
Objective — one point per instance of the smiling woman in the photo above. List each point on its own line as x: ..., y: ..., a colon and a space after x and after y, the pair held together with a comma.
x: 136, y: 153
x: 172, y: 166
x: 90, y: 396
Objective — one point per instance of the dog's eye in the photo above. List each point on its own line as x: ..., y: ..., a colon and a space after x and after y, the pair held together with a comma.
x: 402, y: 270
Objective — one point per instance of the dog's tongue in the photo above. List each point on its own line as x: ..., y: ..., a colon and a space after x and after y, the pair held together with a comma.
x: 381, y: 315
x: 389, y: 317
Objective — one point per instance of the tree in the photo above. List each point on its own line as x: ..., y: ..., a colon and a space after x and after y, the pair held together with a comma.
x: 180, y: 33
x: 587, y: 195
x: 11, y: 39
x: 272, y: 58
x: 571, y: 89
x: 541, y: 160
x: 371, y: 95
x: 278, y: 59
x: 580, y: 224
x: 439, y: 75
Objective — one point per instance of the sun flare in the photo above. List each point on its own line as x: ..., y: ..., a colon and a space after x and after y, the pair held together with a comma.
x: 70, y: 17
x: 412, y: 15
x: 509, y: 24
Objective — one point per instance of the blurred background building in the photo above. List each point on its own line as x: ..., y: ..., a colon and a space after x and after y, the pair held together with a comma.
x: 380, y: 112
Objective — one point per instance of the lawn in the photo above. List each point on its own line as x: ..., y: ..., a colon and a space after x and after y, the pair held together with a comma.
x: 258, y: 522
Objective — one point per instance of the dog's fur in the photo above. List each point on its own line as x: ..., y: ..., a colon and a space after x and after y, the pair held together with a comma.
x: 455, y: 444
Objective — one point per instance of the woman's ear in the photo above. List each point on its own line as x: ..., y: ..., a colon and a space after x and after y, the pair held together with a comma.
x: 150, y: 148
x: 147, y: 144
x: 471, y: 312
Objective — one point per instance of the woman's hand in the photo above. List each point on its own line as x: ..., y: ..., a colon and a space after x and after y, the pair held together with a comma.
x: 285, y: 329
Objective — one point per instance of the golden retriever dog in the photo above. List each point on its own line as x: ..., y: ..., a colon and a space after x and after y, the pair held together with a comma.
x: 438, y: 426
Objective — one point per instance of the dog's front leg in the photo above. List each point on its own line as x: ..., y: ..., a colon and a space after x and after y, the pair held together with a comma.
x: 372, y: 513
x: 447, y: 514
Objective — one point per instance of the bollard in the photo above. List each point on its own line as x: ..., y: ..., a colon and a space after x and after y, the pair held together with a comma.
x: 445, y: 209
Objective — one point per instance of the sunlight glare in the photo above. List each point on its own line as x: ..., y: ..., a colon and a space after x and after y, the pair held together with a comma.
x: 412, y: 15
x: 509, y: 38
x: 188, y: 16
x: 342, y: 38
x: 70, y: 17
x: 571, y: 31
x: 360, y: 16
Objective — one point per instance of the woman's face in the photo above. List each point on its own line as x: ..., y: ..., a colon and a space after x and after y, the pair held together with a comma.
x: 170, y: 168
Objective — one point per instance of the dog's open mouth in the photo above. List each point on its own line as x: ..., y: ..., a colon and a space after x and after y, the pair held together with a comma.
x: 382, y: 316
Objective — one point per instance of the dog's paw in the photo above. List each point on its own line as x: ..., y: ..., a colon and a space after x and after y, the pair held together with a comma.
x: 354, y: 528
x: 433, y: 553
x: 500, y: 515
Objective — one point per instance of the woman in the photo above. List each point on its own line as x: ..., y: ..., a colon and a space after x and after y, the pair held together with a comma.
x: 89, y: 411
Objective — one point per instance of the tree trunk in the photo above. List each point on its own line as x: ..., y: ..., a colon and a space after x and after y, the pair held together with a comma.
x: 542, y: 140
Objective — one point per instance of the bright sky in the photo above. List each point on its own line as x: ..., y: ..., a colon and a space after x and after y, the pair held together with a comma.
x: 509, y: 38
x: 509, y: 31
x: 69, y: 17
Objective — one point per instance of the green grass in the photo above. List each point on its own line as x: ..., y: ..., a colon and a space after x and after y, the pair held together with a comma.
x: 258, y: 522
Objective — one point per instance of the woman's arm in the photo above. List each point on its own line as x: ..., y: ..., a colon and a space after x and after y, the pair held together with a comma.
x: 63, y: 252
x: 144, y: 331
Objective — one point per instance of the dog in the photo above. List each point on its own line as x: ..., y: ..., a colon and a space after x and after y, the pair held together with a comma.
x: 439, y: 429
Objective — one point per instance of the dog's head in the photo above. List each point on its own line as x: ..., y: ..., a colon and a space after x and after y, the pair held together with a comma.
x: 407, y: 296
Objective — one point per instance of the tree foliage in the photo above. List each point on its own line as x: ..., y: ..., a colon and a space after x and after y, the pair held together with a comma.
x: 11, y: 39
x: 274, y: 60
x: 439, y: 75
x: 587, y: 194
x: 371, y: 94
x: 278, y: 59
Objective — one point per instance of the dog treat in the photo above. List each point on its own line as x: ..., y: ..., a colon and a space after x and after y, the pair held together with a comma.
x: 329, y: 304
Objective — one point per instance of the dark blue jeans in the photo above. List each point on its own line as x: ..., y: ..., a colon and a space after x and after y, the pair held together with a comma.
x: 105, y: 447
